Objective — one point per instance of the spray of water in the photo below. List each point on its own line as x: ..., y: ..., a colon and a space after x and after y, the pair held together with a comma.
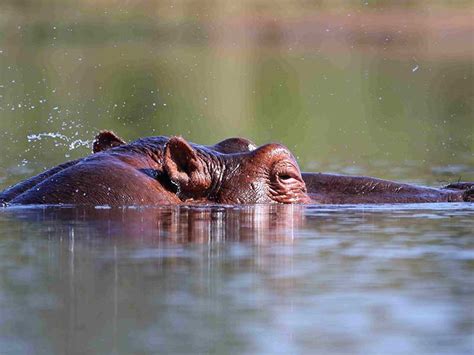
x: 72, y: 144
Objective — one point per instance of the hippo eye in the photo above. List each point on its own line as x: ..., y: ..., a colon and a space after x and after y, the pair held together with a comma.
x: 285, y: 173
x: 287, y: 176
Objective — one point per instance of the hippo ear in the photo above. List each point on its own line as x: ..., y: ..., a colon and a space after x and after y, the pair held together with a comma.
x: 106, y: 140
x: 185, y: 169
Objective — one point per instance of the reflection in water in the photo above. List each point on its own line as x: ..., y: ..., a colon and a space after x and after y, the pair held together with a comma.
x: 175, y: 224
x: 91, y: 261
x: 366, y: 279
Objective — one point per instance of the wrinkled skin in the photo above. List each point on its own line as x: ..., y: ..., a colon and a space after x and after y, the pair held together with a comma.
x: 162, y: 170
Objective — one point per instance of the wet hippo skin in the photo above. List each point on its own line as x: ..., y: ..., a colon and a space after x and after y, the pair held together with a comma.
x: 163, y: 170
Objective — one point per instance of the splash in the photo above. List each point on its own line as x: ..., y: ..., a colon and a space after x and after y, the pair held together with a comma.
x: 40, y: 136
x: 72, y: 144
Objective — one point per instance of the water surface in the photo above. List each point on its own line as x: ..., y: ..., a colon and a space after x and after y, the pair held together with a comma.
x: 226, y: 279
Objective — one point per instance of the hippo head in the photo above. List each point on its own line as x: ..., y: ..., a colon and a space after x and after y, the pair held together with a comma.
x: 268, y: 174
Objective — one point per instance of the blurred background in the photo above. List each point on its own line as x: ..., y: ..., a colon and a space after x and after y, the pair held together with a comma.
x: 376, y: 87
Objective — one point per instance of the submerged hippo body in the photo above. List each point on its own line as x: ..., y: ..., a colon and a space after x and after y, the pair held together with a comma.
x: 163, y: 170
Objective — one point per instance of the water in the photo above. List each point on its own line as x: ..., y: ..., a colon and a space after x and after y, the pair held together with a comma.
x: 250, y: 279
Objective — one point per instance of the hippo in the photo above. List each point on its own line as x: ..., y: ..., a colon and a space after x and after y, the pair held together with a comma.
x: 170, y: 170
x: 167, y: 170
x: 324, y: 188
